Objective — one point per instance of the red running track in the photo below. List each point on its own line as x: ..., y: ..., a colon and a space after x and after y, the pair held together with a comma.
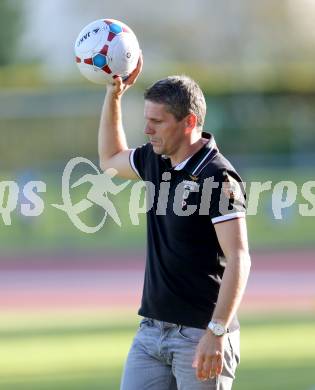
x: 279, y: 281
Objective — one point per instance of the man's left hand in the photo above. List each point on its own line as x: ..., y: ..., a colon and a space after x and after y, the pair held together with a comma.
x: 209, y: 356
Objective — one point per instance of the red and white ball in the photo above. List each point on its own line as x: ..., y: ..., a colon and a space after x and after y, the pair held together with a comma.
x: 106, y: 48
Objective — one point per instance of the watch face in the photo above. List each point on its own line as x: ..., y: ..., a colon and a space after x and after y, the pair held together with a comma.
x: 218, y: 330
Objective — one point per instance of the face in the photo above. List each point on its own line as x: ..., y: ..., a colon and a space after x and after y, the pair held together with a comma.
x: 165, y: 132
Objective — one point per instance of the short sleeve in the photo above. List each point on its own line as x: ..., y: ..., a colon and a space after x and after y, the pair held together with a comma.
x: 228, y: 200
x: 139, y: 158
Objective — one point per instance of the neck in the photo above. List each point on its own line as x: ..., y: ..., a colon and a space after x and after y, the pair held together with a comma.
x: 187, y: 149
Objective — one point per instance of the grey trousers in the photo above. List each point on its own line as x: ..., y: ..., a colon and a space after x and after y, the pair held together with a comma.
x: 161, y: 357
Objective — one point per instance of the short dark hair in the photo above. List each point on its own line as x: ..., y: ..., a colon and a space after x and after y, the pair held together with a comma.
x: 181, y: 96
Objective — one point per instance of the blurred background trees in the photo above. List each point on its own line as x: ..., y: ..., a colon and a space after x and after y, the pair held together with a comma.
x: 10, y: 30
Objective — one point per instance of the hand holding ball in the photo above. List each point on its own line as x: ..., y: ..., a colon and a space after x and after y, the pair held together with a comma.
x: 106, y: 48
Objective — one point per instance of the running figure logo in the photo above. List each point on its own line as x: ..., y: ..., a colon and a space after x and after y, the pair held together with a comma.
x: 101, y: 185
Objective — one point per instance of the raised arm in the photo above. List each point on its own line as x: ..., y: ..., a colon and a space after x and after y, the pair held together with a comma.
x: 112, y: 145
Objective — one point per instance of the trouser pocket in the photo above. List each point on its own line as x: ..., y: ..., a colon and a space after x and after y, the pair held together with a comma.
x: 190, y: 334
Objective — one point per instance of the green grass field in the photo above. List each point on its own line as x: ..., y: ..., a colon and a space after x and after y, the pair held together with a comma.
x: 66, y: 351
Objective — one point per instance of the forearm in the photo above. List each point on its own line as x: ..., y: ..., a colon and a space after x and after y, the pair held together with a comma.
x: 232, y: 287
x: 111, y: 136
x: 209, y: 358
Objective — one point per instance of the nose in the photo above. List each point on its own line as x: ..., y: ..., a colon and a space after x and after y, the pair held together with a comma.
x: 148, y: 130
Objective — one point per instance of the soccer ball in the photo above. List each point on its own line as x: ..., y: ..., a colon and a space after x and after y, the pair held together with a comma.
x: 106, y: 48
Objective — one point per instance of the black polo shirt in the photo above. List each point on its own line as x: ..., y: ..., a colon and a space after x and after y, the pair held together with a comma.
x: 185, y: 263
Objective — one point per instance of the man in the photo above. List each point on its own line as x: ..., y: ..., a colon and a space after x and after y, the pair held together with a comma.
x: 197, y: 253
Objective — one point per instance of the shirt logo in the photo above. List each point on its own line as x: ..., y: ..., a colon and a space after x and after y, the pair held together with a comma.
x: 189, y: 186
x: 232, y: 189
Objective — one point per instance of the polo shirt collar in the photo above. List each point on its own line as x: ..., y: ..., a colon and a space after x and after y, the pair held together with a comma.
x: 192, y: 163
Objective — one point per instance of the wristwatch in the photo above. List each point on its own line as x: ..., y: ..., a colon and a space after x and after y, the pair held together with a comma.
x: 216, y: 328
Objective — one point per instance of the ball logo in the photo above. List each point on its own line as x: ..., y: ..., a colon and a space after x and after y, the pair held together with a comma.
x: 83, y: 38
x: 128, y: 55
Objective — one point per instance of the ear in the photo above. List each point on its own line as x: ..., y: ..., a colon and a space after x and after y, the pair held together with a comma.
x: 190, y: 122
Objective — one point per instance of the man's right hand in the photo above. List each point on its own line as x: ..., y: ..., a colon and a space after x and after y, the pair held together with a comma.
x: 119, y: 86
